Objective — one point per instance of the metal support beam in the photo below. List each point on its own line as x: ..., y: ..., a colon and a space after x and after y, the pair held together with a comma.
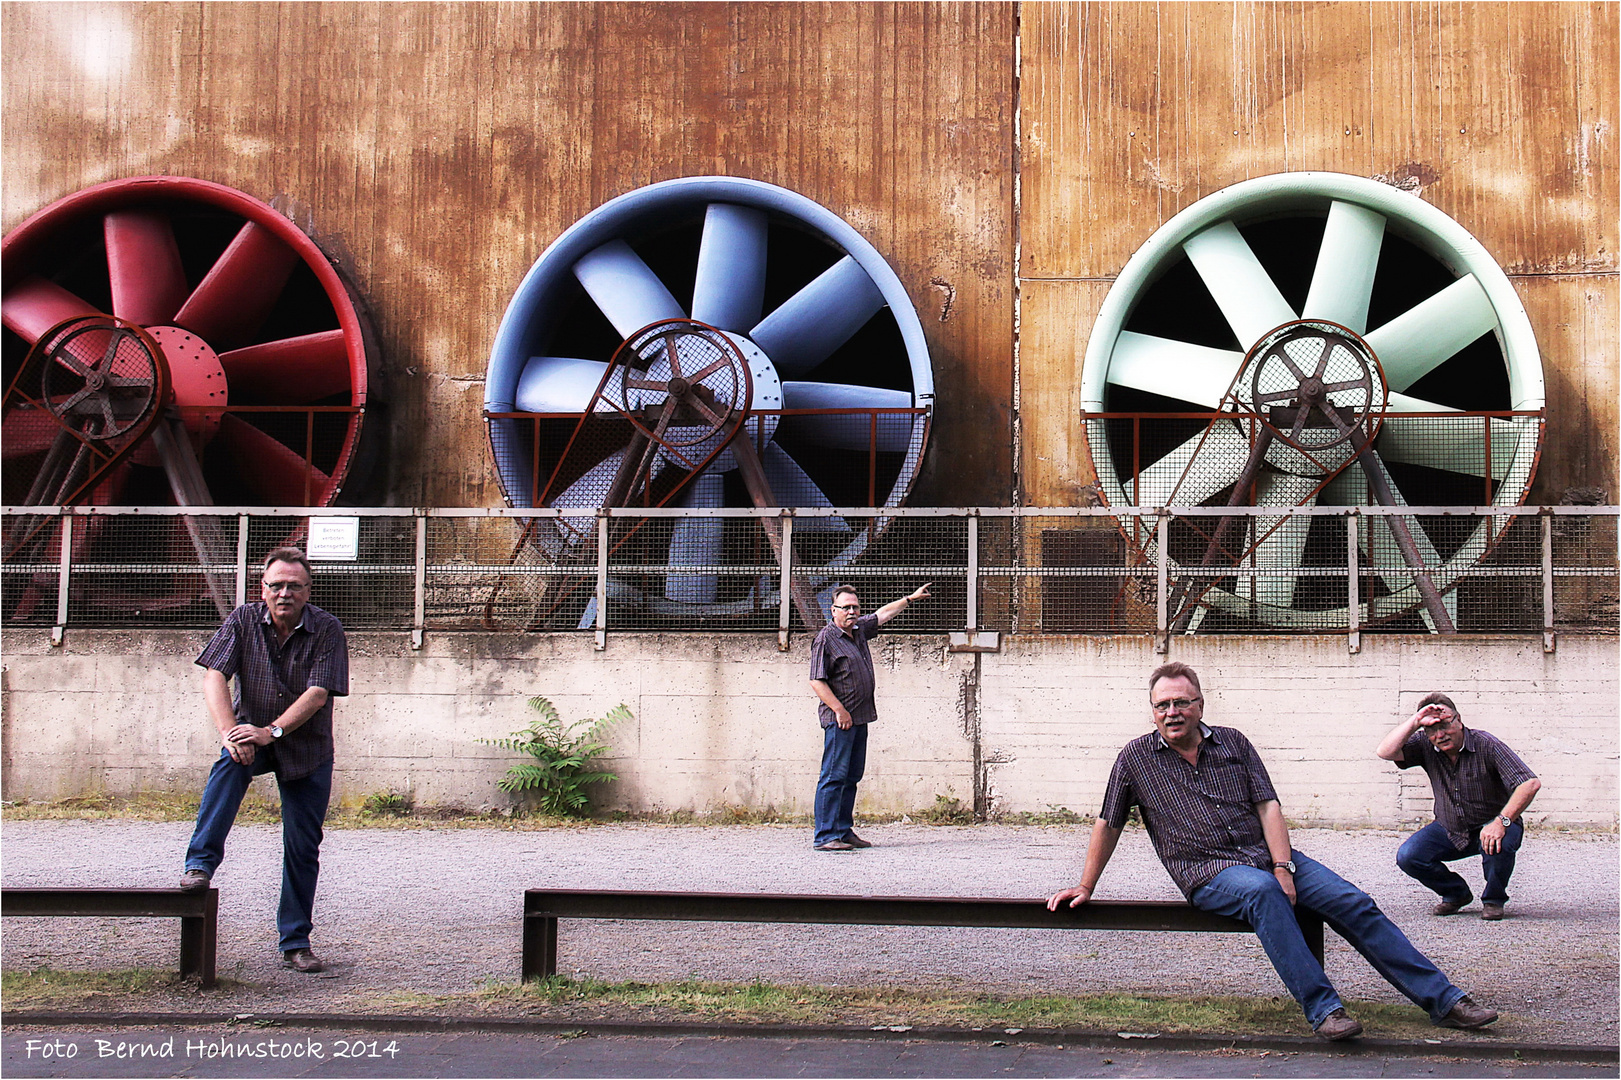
x: 543, y: 907
x: 419, y: 598
x: 972, y: 577
x: 786, y: 583
x: 63, y: 574
x: 602, y: 580
x: 198, y: 913
x: 241, y: 559
x: 1547, y: 582
x: 1162, y: 562
x: 1353, y: 586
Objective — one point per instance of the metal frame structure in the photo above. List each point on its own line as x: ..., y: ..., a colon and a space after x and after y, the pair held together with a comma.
x: 973, y: 570
x: 543, y: 907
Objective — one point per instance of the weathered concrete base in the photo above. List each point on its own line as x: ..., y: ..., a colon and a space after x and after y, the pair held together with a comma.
x: 727, y: 720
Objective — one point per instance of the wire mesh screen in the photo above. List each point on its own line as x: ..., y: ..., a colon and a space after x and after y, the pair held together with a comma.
x: 1238, y: 570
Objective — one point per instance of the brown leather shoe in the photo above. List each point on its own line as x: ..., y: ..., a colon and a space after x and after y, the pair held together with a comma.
x: 1450, y: 907
x: 835, y: 845
x: 855, y: 841
x: 302, y: 960
x: 1338, y: 1025
x: 1491, y: 912
x: 1467, y: 1014
x: 193, y: 881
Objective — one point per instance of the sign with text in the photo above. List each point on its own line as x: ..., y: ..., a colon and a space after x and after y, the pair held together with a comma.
x: 334, y: 538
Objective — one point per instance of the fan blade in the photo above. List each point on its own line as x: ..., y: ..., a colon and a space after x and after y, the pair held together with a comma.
x: 27, y: 431
x: 1194, y: 471
x: 292, y: 371
x: 1237, y: 281
x: 590, y: 490
x: 1342, y: 283
x: 1454, y: 445
x: 1418, y: 340
x: 730, y: 288
x: 1283, y: 539
x: 268, y: 469
x: 1174, y: 369
x: 849, y: 432
x: 143, y: 264
x: 237, y: 294
x: 564, y: 384
x: 817, y: 319
x: 795, y: 487
x: 32, y: 306
x: 625, y: 289
x: 697, y: 541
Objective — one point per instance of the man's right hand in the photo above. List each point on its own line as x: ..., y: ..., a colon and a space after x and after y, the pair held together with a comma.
x: 241, y: 752
x: 842, y: 717
x: 1077, y: 896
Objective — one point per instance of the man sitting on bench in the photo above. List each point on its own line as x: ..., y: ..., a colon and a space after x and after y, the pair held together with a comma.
x: 1215, y: 823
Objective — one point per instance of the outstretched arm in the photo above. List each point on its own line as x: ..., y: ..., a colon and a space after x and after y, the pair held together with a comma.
x: 1098, y: 851
x: 1390, y: 748
x: 895, y: 607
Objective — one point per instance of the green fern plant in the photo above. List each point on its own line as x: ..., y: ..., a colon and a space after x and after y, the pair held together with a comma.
x: 563, y: 754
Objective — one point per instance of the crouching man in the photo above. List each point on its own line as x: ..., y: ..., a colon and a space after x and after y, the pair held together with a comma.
x: 1215, y: 823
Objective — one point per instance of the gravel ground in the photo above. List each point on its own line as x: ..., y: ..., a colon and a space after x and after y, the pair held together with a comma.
x: 437, y: 911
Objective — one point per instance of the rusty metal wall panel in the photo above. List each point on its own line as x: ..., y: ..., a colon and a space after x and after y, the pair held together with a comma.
x: 436, y: 149
x: 1503, y: 115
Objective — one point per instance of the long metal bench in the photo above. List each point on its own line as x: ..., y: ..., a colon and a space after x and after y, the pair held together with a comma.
x: 543, y: 907
x: 198, y: 913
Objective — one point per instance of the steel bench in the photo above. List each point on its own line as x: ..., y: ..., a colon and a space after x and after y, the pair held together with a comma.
x: 198, y: 913
x: 543, y: 907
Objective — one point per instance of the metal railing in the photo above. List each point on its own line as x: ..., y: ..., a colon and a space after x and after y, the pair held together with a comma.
x: 1148, y: 570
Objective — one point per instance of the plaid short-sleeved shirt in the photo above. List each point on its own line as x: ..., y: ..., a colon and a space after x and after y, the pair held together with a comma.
x: 1202, y: 817
x: 1475, y: 790
x: 844, y: 662
x: 271, y: 676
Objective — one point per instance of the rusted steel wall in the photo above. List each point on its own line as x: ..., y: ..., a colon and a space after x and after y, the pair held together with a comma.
x: 436, y: 149
x: 1503, y: 115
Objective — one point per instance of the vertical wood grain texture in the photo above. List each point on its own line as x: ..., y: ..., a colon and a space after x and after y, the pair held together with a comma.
x: 436, y: 149
x: 1503, y: 115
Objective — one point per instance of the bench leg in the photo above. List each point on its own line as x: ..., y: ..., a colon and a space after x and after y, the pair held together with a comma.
x: 199, y: 936
x: 1311, y: 928
x: 539, y: 947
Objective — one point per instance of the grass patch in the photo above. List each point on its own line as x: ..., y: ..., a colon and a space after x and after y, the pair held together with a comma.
x: 769, y: 1003
x: 47, y: 988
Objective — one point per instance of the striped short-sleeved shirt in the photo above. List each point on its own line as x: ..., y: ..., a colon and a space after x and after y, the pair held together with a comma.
x: 1201, y: 818
x: 270, y: 676
x: 844, y: 662
x: 1473, y: 791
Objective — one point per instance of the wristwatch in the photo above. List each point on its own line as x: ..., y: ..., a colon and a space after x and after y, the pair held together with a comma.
x: 1506, y: 821
x: 275, y: 731
x: 1287, y: 864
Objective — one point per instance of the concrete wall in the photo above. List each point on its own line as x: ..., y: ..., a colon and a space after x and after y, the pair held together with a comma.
x: 728, y: 720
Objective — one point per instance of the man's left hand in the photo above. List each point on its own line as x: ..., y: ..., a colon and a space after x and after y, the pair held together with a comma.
x: 1286, y: 882
x: 249, y: 733
x: 922, y: 592
x: 1491, y: 836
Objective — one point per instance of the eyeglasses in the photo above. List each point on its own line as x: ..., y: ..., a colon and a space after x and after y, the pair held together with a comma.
x: 846, y: 607
x: 285, y: 586
x: 1182, y: 704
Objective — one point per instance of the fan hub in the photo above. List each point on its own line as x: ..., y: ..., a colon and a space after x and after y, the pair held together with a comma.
x: 1319, y: 389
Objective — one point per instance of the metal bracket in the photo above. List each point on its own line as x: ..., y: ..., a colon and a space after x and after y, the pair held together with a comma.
x: 976, y: 641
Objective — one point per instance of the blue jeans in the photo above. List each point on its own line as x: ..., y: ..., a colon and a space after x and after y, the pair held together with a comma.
x: 844, y: 761
x: 1424, y: 855
x: 1255, y: 896
x: 303, y: 811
